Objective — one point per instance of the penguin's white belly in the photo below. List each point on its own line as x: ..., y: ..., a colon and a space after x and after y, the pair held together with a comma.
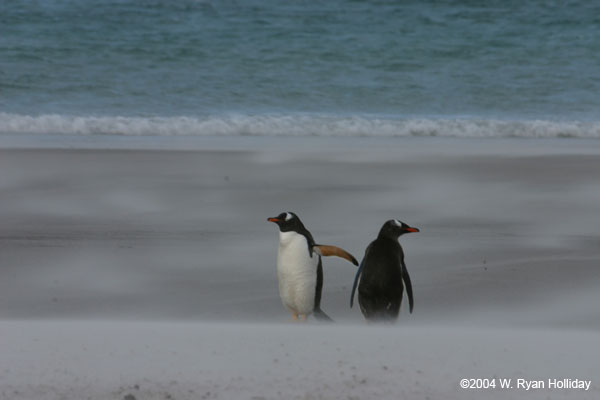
x: 297, y: 273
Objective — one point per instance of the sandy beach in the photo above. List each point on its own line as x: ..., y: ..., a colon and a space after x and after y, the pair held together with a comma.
x: 142, y: 360
x: 164, y: 252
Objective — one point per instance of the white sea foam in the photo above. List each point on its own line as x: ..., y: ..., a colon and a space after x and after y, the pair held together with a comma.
x: 295, y: 125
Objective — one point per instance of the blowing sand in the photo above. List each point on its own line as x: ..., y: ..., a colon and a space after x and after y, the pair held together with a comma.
x: 150, y: 270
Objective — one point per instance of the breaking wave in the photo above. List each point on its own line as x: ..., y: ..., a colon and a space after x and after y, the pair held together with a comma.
x: 295, y: 125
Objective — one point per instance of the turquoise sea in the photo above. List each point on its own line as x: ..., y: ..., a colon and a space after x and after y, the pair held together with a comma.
x: 303, y: 68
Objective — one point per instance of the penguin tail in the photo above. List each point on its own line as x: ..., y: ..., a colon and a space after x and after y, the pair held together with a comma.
x: 321, y: 316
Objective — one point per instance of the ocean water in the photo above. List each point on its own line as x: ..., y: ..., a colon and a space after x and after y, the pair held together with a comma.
x: 304, y: 68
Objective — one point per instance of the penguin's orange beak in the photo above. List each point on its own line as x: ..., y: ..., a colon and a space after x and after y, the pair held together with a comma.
x: 412, y: 229
x: 273, y: 219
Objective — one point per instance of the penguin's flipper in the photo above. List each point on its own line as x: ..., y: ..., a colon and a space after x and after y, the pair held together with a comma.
x: 321, y: 316
x: 408, y: 285
x: 355, y: 284
x: 327, y: 250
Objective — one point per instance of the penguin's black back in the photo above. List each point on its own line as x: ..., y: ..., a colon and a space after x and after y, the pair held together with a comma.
x: 380, y: 290
x: 318, y: 313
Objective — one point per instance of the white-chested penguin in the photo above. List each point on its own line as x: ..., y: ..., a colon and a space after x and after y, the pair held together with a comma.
x: 299, y: 267
x: 383, y: 275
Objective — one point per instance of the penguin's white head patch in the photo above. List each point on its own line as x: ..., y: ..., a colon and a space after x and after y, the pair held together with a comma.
x: 288, y: 216
x: 397, y: 223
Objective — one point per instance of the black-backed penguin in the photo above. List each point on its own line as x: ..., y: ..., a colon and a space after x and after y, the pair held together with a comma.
x: 299, y: 267
x: 383, y: 275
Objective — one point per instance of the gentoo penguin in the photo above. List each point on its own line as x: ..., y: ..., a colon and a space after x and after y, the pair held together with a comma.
x: 299, y: 267
x: 382, y: 273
